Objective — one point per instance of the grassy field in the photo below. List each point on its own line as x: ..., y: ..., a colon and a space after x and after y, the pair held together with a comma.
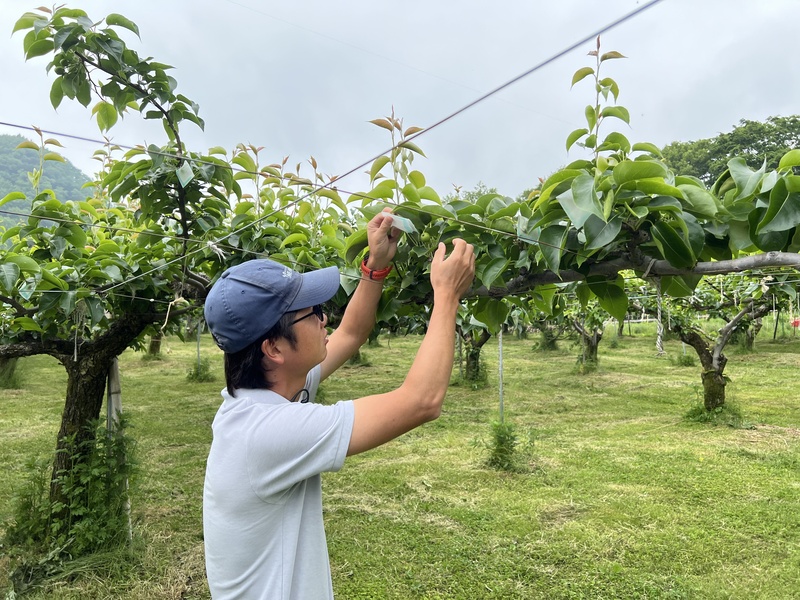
x: 620, y: 495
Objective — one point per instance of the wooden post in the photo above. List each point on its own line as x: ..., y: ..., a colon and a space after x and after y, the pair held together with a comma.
x: 113, y: 410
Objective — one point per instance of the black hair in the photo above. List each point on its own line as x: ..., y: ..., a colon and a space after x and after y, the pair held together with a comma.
x: 245, y: 369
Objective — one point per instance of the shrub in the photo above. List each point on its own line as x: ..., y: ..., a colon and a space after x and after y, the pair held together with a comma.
x: 201, y: 372
x: 683, y: 360
x: 506, y: 452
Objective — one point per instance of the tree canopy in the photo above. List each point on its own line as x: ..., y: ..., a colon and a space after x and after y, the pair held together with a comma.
x: 755, y: 141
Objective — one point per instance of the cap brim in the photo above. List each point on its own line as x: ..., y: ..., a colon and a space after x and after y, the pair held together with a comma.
x: 316, y: 287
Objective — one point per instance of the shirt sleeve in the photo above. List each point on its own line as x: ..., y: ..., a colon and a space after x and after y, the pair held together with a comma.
x: 292, y: 442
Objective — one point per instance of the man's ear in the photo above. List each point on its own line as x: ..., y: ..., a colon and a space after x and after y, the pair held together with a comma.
x: 272, y: 350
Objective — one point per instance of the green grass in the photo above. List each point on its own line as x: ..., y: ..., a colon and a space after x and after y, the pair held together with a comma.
x: 621, y: 497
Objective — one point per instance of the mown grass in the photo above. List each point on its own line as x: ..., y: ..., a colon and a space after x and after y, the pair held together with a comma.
x: 621, y: 496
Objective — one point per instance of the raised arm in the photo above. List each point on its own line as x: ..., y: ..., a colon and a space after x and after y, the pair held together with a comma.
x: 383, y: 417
x: 359, y: 316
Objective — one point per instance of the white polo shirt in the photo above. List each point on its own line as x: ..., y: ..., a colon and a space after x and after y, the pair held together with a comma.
x: 262, y: 499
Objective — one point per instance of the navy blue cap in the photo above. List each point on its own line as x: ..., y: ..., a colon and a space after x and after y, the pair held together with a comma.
x: 248, y: 299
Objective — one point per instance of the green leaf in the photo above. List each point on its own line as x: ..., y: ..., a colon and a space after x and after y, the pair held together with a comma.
x: 619, y: 112
x: 699, y: 201
x: 411, y: 193
x: 492, y: 313
x: 53, y: 156
x: 617, y: 139
x: 679, y: 286
x: 96, y: 310
x: 492, y: 271
x: 57, y: 92
x: 647, y: 147
x: 631, y: 170
x: 674, y: 248
x: 611, y: 296
x: 25, y: 263
x: 26, y: 21
x: 377, y: 165
x: 27, y: 324
x: 294, y: 238
x: 789, y: 160
x: 67, y: 301
x: 611, y: 85
x: 783, y: 212
x: 599, y: 233
x: 575, y: 136
x: 120, y: 21
x: 551, y: 245
x: 39, y: 48
x: 745, y: 178
x: 657, y: 187
x: 28, y: 144
x: 9, y: 274
x: 354, y: 244
x: 244, y: 160
x: 582, y: 201
x: 411, y: 146
x: 417, y: 178
x: 426, y: 192
x: 591, y: 116
x: 581, y: 74
x: 611, y: 55
x: 10, y: 197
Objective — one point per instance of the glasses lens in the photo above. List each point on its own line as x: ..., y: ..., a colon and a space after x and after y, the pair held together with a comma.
x: 317, y: 309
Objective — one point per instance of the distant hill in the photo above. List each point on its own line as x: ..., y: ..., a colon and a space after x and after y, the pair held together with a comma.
x: 63, y: 178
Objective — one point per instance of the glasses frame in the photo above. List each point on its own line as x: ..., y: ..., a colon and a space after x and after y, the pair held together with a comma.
x: 316, y: 310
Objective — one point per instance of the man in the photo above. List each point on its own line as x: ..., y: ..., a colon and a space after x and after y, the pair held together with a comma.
x: 262, y: 501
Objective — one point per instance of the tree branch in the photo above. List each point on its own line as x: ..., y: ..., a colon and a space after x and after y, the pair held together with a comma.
x: 657, y: 268
x: 21, y: 311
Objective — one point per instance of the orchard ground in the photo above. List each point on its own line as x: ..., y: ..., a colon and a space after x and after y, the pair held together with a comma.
x: 619, y: 495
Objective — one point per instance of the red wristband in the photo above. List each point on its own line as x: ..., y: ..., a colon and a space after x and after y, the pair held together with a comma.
x: 374, y: 275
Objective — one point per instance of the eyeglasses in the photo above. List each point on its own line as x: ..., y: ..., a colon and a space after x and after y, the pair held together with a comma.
x: 316, y: 310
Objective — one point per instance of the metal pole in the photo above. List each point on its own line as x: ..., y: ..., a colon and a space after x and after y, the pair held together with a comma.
x: 500, y: 361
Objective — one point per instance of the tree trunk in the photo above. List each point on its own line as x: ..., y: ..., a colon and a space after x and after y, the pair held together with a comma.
x: 154, y: 347
x: 87, y: 373
x: 713, y: 389
x: 750, y: 334
x: 86, y: 386
x: 590, y: 340
x: 712, y: 377
x: 473, y: 343
x: 8, y: 373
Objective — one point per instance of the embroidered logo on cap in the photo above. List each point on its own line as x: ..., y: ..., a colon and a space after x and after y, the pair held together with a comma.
x: 287, y: 273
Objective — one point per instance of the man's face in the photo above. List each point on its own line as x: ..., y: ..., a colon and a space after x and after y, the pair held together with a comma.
x: 312, y: 337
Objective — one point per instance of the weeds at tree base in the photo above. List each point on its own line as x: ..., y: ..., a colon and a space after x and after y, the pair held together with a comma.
x: 682, y: 360
x: 585, y: 366
x: 201, y: 372
x: 728, y: 414
x: 147, y: 357
x: 506, y: 452
x: 46, y: 536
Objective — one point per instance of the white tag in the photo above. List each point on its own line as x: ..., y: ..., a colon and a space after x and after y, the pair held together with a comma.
x: 185, y: 173
x: 403, y: 224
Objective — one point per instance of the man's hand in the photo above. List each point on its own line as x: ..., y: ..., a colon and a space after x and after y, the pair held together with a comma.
x: 382, y: 239
x: 453, y: 275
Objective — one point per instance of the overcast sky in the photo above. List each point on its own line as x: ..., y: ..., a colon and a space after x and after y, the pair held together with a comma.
x: 303, y: 78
